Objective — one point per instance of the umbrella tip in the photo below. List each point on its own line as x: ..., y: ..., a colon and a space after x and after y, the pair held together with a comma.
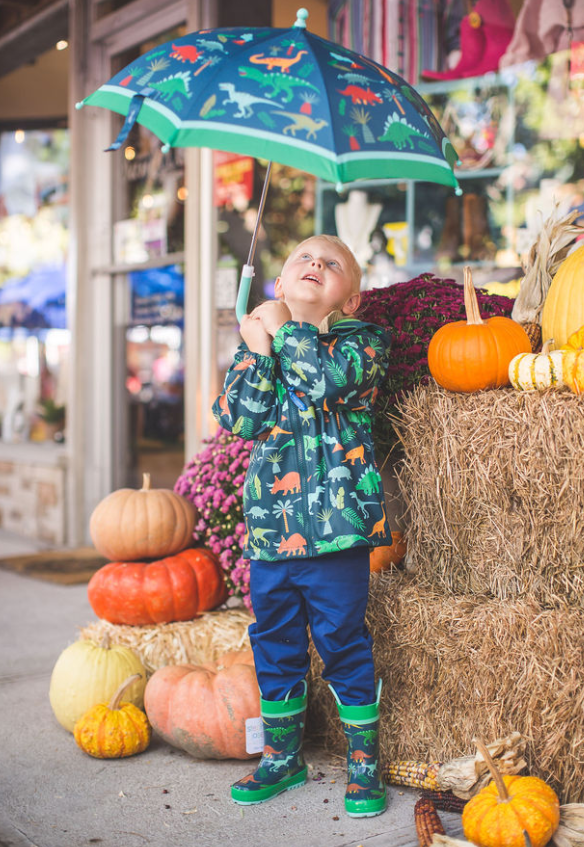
x: 79, y: 105
x: 165, y: 148
x: 301, y: 16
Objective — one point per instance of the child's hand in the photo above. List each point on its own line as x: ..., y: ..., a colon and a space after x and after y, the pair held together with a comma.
x: 273, y: 314
x: 255, y: 336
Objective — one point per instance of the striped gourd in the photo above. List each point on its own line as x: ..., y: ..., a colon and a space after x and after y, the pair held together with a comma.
x: 413, y: 774
x: 537, y: 371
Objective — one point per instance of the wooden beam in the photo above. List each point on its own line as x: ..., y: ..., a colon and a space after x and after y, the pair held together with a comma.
x: 37, y: 34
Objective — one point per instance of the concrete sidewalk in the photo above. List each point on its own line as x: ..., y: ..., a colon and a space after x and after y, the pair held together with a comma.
x: 54, y: 795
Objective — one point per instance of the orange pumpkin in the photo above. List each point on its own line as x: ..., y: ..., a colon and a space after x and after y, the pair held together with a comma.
x: 382, y: 558
x: 202, y: 709
x: 475, y: 354
x: 146, y: 524
x: 509, y: 806
x: 177, y: 588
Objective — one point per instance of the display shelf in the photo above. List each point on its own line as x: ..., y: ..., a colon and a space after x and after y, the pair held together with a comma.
x: 484, y: 109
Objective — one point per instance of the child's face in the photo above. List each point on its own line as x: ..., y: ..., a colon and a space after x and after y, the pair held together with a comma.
x: 315, y: 281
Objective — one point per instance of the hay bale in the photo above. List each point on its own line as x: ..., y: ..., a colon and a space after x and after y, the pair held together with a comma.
x: 194, y: 642
x: 493, y: 484
x: 455, y: 668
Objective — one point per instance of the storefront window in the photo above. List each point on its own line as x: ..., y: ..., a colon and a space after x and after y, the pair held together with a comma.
x: 34, y: 339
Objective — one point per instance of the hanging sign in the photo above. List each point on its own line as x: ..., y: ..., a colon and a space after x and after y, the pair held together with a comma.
x: 233, y: 179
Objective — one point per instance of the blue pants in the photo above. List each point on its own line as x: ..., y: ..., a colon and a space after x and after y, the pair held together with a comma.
x: 329, y: 594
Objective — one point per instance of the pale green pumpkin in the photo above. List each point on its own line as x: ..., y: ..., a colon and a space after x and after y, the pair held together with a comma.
x: 86, y: 674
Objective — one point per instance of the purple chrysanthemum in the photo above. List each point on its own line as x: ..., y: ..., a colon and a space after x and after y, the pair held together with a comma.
x: 213, y: 482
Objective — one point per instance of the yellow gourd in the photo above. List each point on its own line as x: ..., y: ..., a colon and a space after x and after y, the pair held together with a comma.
x: 573, y: 366
x: 113, y: 731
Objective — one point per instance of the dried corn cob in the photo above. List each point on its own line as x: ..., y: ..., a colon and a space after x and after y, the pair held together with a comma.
x: 445, y: 801
x: 413, y: 774
x: 427, y: 822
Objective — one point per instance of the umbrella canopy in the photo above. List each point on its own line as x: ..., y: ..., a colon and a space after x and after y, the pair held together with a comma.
x: 285, y: 95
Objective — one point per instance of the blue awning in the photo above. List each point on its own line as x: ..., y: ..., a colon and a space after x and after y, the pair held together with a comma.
x: 36, y: 301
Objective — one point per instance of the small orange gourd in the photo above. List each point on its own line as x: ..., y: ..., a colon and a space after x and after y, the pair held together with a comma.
x: 382, y: 558
x: 113, y: 731
x: 471, y: 355
x: 508, y: 807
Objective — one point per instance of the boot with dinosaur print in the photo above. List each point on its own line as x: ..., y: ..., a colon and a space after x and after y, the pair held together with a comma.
x: 365, y: 795
x: 282, y: 765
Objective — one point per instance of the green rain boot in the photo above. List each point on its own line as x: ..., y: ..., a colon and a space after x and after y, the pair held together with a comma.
x: 365, y: 795
x: 282, y: 765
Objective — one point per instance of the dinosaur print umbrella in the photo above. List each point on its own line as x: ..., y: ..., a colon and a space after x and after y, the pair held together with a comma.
x: 283, y: 95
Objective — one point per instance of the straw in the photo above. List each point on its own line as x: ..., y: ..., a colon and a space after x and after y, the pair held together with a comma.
x: 187, y: 642
x: 493, y: 484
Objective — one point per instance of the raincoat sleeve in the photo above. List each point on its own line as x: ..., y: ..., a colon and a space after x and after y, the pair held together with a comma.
x: 247, y: 406
x: 331, y: 369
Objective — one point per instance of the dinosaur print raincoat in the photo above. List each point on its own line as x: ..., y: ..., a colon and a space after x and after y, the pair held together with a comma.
x: 312, y: 486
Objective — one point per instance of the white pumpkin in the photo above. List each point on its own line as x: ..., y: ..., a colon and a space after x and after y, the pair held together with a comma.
x: 537, y: 371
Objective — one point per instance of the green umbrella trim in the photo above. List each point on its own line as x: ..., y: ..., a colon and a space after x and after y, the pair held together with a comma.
x: 295, y: 153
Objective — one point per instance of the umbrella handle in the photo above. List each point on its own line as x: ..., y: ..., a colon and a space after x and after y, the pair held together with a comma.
x: 247, y: 273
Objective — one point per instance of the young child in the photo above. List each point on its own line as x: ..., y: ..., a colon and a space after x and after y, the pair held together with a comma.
x: 302, y: 385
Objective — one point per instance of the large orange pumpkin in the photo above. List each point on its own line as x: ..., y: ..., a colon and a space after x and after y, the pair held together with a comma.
x: 563, y: 308
x: 177, y: 588
x: 475, y: 354
x: 202, y: 709
x: 382, y: 558
x: 146, y: 524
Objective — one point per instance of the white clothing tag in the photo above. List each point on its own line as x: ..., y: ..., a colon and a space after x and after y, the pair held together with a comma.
x: 254, y: 735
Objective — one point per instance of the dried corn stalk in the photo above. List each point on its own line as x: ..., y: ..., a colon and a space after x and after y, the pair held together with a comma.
x: 570, y: 831
x: 464, y: 776
x: 546, y: 254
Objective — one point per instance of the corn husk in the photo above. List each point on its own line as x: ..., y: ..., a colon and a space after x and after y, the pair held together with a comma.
x: 546, y: 254
x: 465, y: 776
x: 570, y: 832
x: 447, y: 841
